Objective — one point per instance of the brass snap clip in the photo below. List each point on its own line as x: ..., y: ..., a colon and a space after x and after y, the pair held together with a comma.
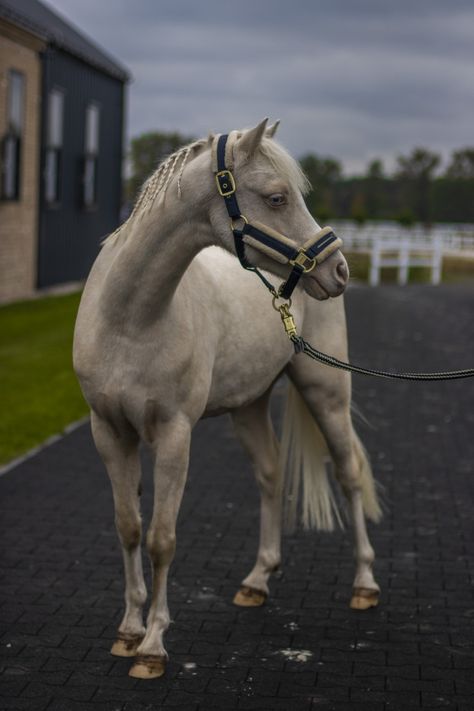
x: 286, y: 316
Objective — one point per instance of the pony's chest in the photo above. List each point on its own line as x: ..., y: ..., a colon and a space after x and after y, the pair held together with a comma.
x: 245, y: 370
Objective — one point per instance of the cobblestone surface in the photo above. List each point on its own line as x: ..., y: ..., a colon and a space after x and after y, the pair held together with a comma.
x: 61, y: 589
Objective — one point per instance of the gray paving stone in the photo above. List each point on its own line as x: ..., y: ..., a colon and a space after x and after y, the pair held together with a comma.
x: 60, y: 566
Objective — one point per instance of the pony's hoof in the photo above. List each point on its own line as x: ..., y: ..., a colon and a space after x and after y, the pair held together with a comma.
x: 126, y: 646
x: 148, y: 666
x: 362, y: 599
x: 249, y: 597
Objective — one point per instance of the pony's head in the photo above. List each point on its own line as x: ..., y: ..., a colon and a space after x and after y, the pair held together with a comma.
x: 270, y: 186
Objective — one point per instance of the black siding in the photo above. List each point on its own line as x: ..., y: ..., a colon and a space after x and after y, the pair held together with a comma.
x: 69, y: 234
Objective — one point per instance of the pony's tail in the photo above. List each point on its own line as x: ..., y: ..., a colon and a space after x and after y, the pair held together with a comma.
x: 305, y: 458
x: 307, y: 462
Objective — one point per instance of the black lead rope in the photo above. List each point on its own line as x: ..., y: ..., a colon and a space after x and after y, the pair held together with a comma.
x: 302, y: 346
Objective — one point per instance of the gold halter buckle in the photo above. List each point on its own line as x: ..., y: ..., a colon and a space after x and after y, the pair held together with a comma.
x: 225, y: 183
x: 302, y: 260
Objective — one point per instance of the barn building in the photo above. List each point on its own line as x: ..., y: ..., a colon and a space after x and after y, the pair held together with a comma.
x: 61, y: 133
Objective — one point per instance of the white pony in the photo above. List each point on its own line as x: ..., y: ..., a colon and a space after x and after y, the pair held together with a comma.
x: 171, y: 329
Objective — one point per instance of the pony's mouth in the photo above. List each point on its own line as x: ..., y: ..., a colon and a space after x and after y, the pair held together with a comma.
x: 328, y: 280
x: 315, y: 289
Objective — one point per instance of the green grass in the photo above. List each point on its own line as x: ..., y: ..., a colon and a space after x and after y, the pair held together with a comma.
x: 39, y: 391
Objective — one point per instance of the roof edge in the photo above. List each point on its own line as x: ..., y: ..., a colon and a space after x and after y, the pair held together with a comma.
x: 110, y: 67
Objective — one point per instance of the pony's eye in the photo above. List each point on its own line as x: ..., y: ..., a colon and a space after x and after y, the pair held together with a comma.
x: 276, y: 199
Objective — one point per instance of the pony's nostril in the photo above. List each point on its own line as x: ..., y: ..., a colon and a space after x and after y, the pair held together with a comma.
x: 342, y: 271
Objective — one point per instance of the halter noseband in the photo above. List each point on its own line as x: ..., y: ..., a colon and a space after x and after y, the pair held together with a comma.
x: 267, y: 240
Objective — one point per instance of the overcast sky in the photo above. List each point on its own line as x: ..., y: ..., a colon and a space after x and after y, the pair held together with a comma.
x: 355, y: 79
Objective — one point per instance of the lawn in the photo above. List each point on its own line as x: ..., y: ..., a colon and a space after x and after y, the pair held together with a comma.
x: 39, y: 391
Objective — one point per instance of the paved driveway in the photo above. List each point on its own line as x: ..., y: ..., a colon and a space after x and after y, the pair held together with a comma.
x: 61, y: 589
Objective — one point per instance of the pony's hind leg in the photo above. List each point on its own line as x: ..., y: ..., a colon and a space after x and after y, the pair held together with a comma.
x: 361, y: 496
x: 119, y: 452
x: 327, y: 395
x: 171, y: 446
x: 254, y: 429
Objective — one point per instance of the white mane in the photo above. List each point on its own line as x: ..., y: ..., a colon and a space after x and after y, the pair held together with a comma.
x: 284, y: 164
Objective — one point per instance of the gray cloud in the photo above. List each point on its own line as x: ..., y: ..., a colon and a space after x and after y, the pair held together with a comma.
x: 349, y: 79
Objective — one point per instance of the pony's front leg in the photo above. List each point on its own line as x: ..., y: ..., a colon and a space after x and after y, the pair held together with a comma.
x: 170, y: 469
x: 255, y: 430
x: 119, y: 452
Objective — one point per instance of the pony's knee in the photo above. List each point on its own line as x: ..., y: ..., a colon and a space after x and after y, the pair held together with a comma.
x: 161, y: 545
x: 268, y: 477
x: 129, y: 528
x: 347, y: 471
x: 350, y: 481
x: 136, y: 595
x: 329, y: 399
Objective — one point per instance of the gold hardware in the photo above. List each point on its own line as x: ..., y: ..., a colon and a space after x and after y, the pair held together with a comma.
x: 227, y: 188
x: 277, y: 296
x: 286, y: 317
x: 288, y: 320
x: 302, y: 260
x: 234, y: 220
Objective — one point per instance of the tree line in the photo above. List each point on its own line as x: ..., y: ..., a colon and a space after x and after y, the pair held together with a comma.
x: 417, y: 191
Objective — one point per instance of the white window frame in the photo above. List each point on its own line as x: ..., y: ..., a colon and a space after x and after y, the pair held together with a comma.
x: 54, y: 146
x: 92, y: 120
x: 11, y: 148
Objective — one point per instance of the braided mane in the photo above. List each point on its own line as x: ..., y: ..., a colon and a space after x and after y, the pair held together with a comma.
x: 156, y: 185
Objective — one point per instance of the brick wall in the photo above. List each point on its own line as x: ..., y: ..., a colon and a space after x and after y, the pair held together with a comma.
x: 19, y: 219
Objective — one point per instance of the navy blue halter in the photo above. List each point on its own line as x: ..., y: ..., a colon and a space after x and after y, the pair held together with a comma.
x: 301, y: 259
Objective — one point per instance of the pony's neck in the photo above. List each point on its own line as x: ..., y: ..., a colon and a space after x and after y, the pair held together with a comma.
x: 153, y: 254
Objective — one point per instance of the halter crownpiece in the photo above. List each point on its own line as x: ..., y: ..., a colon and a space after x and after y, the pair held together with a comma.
x: 282, y: 249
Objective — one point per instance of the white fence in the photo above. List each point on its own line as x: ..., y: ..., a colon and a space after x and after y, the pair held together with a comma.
x: 390, y: 245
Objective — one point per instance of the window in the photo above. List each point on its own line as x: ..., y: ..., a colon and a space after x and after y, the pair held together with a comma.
x: 11, y: 143
x: 91, y: 152
x: 54, y: 145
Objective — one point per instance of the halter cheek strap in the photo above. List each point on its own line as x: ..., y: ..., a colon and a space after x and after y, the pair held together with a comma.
x: 259, y: 236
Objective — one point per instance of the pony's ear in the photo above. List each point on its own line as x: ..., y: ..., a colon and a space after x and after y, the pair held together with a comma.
x: 271, y: 130
x: 251, y: 138
x: 210, y: 139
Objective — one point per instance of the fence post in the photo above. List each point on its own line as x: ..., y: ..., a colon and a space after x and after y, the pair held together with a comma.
x: 403, y: 262
x: 374, y: 276
x: 437, y: 261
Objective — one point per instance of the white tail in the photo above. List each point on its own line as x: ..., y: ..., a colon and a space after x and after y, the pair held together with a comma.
x: 305, y: 458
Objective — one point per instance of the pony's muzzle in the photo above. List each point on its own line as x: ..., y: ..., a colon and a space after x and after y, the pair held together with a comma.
x: 342, y: 273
